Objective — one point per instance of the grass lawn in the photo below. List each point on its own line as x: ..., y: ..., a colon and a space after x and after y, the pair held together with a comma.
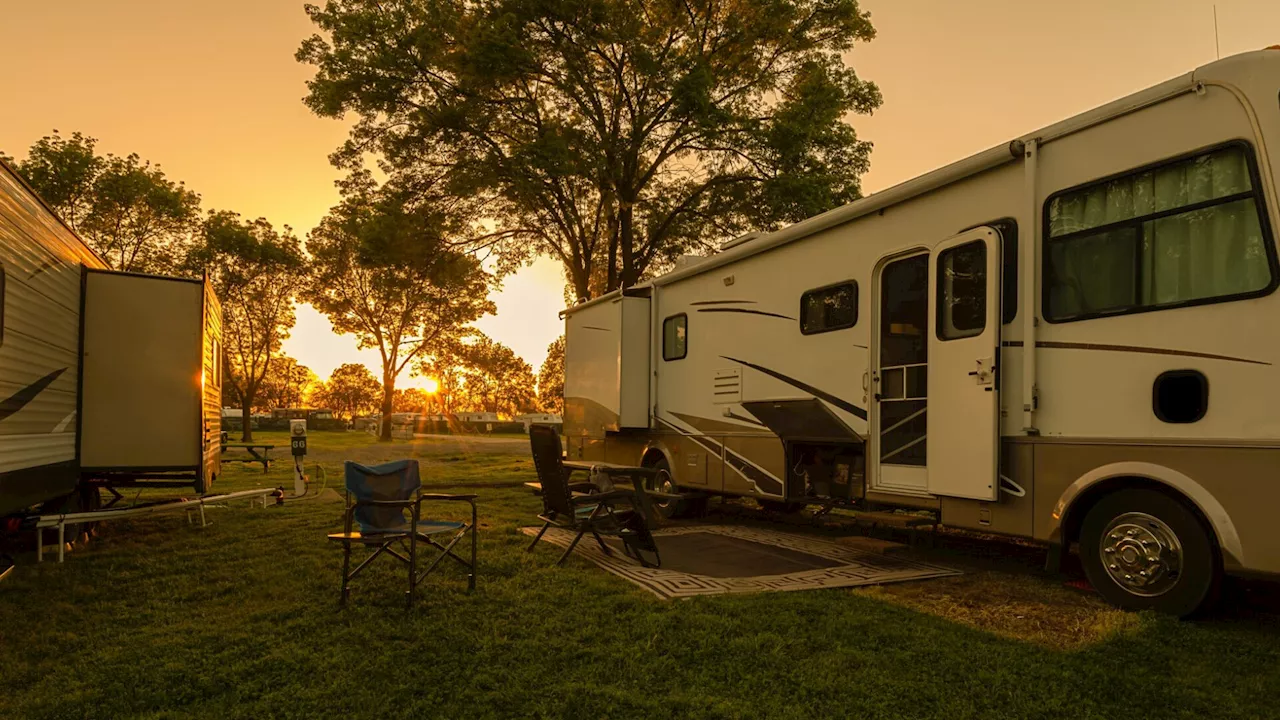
x: 157, y: 618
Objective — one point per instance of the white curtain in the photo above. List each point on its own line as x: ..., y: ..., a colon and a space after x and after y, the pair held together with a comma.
x: 1210, y: 252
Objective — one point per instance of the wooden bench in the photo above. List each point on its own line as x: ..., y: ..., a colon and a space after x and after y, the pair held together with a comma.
x: 253, y: 449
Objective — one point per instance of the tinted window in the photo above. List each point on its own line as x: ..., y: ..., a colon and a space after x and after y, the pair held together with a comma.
x: 962, y: 291
x: 675, y: 343
x: 1185, y: 232
x: 829, y: 308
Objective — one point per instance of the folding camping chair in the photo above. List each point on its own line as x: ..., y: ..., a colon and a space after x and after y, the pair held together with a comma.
x: 594, y: 511
x: 383, y: 494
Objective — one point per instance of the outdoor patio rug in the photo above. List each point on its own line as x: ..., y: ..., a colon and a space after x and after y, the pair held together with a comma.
x: 720, y: 559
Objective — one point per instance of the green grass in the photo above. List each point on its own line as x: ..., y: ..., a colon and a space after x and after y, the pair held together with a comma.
x: 157, y: 618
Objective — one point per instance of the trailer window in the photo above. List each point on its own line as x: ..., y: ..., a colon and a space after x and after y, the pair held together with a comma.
x: 824, y: 309
x: 1185, y: 232
x: 675, y: 342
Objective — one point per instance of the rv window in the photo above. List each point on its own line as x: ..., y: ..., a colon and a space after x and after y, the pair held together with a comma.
x: 675, y: 342
x: 962, y: 291
x: 829, y: 308
x: 1186, y: 232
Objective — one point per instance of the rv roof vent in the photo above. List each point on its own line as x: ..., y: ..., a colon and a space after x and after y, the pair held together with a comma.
x: 685, y: 261
x: 748, y: 237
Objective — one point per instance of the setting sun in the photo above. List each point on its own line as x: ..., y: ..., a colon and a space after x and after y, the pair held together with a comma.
x: 431, y: 385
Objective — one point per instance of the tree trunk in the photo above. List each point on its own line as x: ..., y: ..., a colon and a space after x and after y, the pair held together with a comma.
x: 246, y: 420
x: 626, y: 236
x: 388, y: 392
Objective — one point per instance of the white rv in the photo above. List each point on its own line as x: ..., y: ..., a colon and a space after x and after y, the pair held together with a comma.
x: 1071, y: 337
x: 108, y: 378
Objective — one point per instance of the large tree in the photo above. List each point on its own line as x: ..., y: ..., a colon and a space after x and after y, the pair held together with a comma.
x: 495, y: 379
x: 380, y: 272
x: 551, y: 378
x: 254, y: 269
x: 124, y: 207
x: 613, y: 135
x: 350, y: 390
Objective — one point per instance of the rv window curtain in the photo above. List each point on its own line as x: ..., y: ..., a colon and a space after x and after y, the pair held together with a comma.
x: 1183, y: 232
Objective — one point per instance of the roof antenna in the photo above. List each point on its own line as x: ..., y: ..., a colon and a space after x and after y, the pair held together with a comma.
x: 1217, y: 49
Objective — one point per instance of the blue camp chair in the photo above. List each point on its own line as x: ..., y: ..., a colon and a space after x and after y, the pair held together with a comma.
x: 388, y: 506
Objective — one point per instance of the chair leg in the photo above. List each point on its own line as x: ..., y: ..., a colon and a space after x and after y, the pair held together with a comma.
x: 603, y: 548
x: 536, y: 538
x: 413, y: 568
x: 572, y: 545
x: 346, y: 570
x: 471, y: 576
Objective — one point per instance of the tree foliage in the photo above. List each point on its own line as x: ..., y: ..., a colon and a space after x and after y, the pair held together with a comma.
x: 551, y: 379
x: 254, y: 269
x: 412, y: 400
x: 286, y: 385
x: 377, y: 273
x: 125, y: 208
x: 477, y: 373
x: 614, y: 134
x: 350, y: 390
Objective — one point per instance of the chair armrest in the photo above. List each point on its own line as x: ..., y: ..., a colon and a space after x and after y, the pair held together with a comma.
x: 441, y: 496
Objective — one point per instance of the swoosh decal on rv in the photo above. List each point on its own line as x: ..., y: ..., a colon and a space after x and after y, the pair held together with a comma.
x: 800, y: 385
x: 19, y: 400
x: 744, y: 310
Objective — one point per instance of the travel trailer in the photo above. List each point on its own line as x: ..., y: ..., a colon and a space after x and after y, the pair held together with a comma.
x: 109, y: 378
x: 1070, y: 337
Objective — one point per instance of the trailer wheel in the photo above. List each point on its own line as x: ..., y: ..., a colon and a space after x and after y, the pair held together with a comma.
x: 664, y: 482
x: 1145, y: 550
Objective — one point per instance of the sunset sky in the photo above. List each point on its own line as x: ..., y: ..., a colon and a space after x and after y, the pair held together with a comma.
x: 211, y: 92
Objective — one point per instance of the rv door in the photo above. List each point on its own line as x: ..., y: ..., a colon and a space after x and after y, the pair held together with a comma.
x: 964, y: 347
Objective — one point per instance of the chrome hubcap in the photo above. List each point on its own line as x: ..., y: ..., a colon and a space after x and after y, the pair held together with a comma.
x: 1142, y: 554
x: 663, y: 484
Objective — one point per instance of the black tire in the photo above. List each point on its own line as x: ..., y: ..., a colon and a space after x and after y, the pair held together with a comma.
x: 1126, y: 530
x: 781, y: 507
x: 665, y: 482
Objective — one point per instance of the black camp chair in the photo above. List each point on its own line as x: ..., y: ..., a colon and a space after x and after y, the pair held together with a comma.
x: 383, y: 495
x: 597, y: 510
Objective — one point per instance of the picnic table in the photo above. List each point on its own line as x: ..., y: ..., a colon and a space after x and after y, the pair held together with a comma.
x: 258, y: 453
x: 610, y: 469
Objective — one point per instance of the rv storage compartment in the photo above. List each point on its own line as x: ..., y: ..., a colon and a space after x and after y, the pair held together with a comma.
x: 826, y: 472
x: 606, y: 363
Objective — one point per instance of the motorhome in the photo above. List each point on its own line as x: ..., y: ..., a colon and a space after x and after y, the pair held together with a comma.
x: 108, y: 378
x: 1070, y: 337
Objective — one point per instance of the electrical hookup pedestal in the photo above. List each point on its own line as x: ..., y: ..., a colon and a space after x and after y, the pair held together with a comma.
x: 298, y: 446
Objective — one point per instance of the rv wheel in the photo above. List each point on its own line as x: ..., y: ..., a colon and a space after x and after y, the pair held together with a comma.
x: 663, y: 482
x: 1144, y: 550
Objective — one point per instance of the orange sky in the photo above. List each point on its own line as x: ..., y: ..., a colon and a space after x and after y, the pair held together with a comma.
x: 210, y: 91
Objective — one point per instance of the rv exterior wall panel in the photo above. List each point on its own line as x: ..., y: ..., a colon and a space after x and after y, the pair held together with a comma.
x: 39, y: 347
x: 607, y: 367
x: 142, y: 372
x: 211, y: 389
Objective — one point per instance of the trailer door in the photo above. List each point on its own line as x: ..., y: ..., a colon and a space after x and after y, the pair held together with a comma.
x: 964, y: 347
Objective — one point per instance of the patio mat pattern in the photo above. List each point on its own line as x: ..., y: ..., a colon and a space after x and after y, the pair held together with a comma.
x: 755, y: 560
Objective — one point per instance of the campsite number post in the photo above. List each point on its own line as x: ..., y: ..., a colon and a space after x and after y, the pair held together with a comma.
x: 298, y: 446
